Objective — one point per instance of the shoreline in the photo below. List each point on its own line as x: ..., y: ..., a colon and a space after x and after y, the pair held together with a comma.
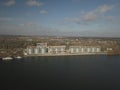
x: 66, y: 54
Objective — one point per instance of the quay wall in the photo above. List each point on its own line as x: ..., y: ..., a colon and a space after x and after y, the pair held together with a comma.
x: 67, y: 54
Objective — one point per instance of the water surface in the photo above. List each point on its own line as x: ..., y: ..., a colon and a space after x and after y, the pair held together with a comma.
x: 63, y: 72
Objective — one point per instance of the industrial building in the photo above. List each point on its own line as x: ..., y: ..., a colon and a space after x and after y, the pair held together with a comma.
x: 43, y: 49
x: 84, y: 49
x: 56, y: 49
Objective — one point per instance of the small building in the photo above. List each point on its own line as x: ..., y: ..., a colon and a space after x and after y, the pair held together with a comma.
x: 109, y: 49
x: 56, y: 49
x: 41, y: 45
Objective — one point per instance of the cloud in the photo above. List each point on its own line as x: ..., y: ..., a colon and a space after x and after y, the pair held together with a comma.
x: 89, y: 17
x: 31, y: 28
x: 9, y: 3
x: 28, y: 28
x: 29, y: 24
x: 76, y: 0
x: 110, y: 18
x: 93, y: 15
x: 73, y: 19
x: 43, y: 12
x: 97, y: 13
x: 5, y: 19
x: 104, y: 8
x: 34, y: 3
x: 113, y: 19
x: 82, y: 12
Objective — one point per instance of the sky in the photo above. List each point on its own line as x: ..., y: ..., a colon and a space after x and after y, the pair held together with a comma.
x: 94, y: 18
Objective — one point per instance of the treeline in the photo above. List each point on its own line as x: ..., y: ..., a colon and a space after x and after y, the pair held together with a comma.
x: 12, y: 44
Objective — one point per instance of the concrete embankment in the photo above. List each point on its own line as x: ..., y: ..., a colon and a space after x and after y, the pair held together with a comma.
x: 66, y: 54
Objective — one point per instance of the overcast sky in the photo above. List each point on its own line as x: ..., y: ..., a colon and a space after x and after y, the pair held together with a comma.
x: 99, y: 18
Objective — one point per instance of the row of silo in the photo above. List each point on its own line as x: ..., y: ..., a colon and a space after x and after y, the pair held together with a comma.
x: 36, y: 50
x: 83, y: 49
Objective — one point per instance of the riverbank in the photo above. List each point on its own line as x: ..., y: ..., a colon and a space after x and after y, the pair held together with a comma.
x: 66, y: 54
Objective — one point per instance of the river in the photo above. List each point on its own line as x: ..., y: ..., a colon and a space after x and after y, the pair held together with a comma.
x: 92, y: 72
